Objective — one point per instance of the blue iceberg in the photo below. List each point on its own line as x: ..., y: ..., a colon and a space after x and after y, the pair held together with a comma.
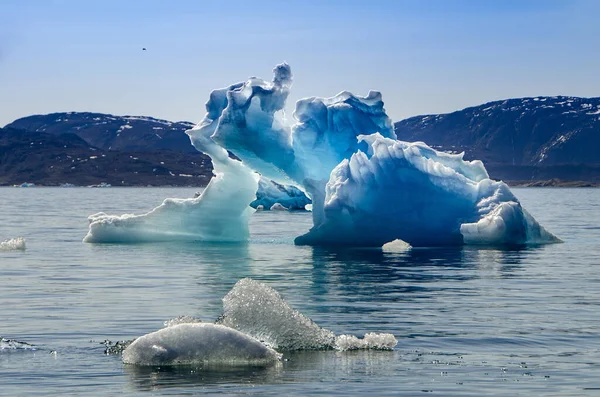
x: 367, y: 188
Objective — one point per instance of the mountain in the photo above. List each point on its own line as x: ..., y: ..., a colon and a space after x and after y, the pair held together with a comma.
x: 519, y: 139
x: 53, y: 159
x: 526, y: 140
x: 108, y: 132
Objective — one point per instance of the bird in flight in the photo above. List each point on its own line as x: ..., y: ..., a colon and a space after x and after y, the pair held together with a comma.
x: 144, y: 49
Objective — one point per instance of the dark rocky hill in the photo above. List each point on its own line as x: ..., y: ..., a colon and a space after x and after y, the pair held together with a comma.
x: 519, y: 139
x: 49, y: 159
x: 108, y: 132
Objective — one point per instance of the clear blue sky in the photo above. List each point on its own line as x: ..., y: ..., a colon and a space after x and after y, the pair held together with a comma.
x: 425, y: 56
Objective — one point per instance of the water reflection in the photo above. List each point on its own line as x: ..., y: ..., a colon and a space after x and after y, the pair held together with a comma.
x: 297, y: 367
x: 157, y: 378
x: 372, y: 274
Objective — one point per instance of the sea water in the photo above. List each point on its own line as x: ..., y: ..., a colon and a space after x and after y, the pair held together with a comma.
x: 469, y: 321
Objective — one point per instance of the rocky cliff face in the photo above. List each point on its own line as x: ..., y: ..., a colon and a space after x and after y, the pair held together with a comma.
x: 47, y: 159
x: 541, y: 131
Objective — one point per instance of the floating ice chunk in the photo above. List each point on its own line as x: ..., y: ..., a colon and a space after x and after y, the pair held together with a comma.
x: 371, y: 341
x: 396, y: 246
x: 366, y: 187
x: 278, y: 207
x: 198, y: 344
x: 258, y: 310
x: 13, y: 244
x: 270, y: 192
x: 409, y: 191
x: 220, y: 213
x: 11, y: 344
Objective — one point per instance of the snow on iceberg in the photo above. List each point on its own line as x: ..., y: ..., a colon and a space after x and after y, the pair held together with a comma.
x: 198, y: 344
x: 366, y: 187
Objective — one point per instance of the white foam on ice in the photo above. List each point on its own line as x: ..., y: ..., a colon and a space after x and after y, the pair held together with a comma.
x: 198, y: 344
x: 13, y: 244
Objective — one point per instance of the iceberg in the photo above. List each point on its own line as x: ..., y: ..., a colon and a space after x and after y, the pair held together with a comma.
x: 367, y: 188
x: 219, y: 214
x: 405, y: 191
x: 271, y: 193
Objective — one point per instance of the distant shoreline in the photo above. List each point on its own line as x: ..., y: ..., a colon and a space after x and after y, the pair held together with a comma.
x: 551, y: 183
x: 540, y: 183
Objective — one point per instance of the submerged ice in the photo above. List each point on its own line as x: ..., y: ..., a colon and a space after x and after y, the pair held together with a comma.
x: 367, y: 188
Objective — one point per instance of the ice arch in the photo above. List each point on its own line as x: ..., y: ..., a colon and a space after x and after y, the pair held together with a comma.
x: 367, y: 187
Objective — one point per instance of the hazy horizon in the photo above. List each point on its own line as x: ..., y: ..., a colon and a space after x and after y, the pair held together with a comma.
x: 424, y: 56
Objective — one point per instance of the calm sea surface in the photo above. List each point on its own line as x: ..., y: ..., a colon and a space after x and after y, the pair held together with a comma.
x: 470, y: 322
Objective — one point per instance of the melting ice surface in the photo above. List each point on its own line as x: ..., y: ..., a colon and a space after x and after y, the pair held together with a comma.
x: 13, y: 244
x: 367, y: 188
x: 256, y: 323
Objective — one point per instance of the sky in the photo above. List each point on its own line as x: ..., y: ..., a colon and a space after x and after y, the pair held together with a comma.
x: 425, y: 56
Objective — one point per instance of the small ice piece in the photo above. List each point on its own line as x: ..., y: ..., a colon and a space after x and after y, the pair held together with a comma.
x: 13, y: 244
x: 396, y: 246
x: 198, y: 344
x: 371, y: 341
x: 278, y: 207
x: 11, y: 344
